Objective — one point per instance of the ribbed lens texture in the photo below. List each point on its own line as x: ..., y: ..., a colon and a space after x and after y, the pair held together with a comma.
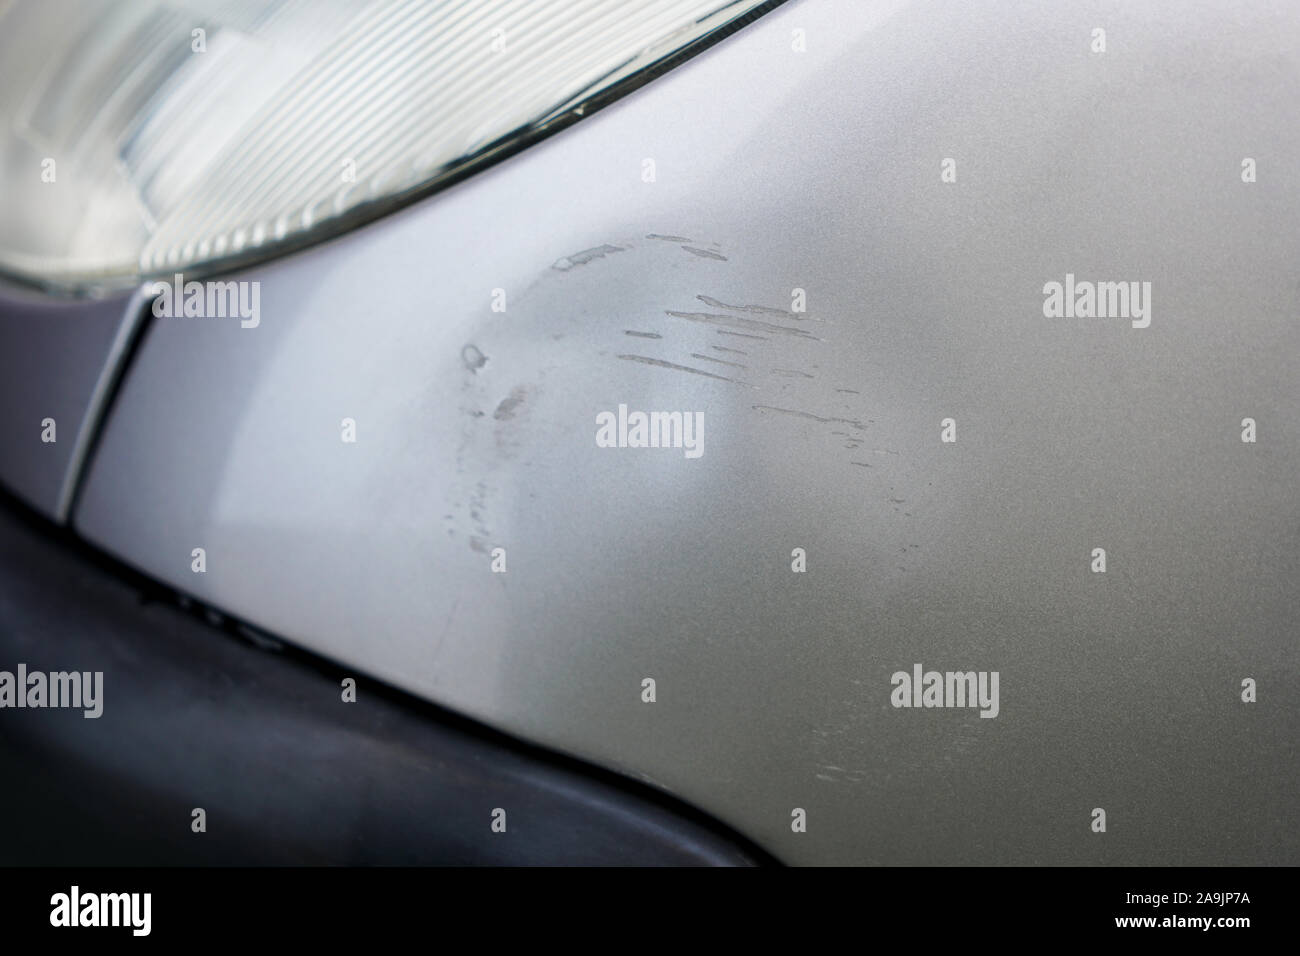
x: 140, y: 138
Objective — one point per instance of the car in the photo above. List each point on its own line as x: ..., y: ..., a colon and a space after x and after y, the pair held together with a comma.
x: 670, y: 432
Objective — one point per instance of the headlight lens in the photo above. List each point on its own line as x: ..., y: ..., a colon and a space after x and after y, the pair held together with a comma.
x: 141, y: 138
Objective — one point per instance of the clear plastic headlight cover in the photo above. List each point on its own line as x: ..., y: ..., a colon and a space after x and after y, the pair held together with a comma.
x: 139, y: 138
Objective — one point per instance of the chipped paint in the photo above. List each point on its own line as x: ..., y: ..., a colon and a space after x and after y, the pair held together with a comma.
x: 473, y: 358
x: 705, y: 253
x: 586, y: 255
x: 506, y: 409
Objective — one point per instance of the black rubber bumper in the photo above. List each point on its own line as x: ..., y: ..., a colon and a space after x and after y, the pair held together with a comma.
x: 260, y: 739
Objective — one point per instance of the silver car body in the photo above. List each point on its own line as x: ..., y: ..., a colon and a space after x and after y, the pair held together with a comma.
x: 914, y: 174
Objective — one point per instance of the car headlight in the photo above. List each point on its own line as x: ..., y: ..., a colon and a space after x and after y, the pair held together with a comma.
x: 142, y: 138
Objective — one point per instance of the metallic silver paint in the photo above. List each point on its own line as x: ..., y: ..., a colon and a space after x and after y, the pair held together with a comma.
x: 818, y: 171
x: 58, y: 359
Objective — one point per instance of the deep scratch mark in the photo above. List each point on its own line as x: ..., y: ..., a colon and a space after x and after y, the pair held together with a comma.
x: 742, y: 335
x: 710, y: 358
x: 655, y: 235
x: 848, y: 391
x: 816, y: 418
x: 723, y: 348
x: 754, y: 325
x: 792, y: 372
x: 758, y: 309
x: 705, y: 253
x: 643, y: 335
x: 645, y: 360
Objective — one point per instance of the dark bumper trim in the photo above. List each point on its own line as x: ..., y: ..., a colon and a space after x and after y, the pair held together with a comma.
x: 257, y: 735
